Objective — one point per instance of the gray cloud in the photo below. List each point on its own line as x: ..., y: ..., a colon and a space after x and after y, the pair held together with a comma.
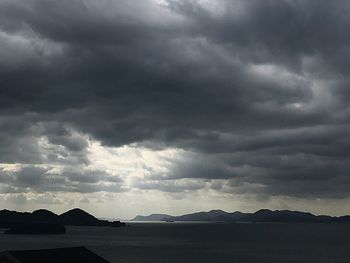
x: 170, y: 186
x: 256, y: 91
x: 45, y: 179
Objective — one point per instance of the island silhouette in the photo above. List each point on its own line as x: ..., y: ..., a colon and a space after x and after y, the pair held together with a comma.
x: 260, y: 216
x: 46, y: 222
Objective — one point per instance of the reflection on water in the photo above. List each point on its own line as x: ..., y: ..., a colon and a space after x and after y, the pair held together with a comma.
x: 172, y: 242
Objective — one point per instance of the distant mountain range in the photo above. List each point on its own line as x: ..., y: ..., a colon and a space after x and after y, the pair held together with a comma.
x: 74, y: 217
x: 263, y: 215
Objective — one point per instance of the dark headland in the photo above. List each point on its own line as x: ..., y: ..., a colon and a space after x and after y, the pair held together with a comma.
x: 46, y: 222
x: 263, y: 215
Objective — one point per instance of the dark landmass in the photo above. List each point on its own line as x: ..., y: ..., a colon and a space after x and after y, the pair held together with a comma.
x: 45, y: 215
x: 266, y: 215
x: 45, y: 222
x: 78, y: 217
x: 213, y: 215
x: 263, y: 215
x: 343, y: 219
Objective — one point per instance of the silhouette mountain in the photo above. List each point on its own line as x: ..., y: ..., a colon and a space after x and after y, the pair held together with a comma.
x: 213, y: 215
x: 45, y: 216
x: 78, y: 217
x: 263, y: 215
x: 343, y: 219
x: 13, y: 218
x: 46, y: 220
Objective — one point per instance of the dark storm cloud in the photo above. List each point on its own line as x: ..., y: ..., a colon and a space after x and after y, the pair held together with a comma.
x: 42, y: 179
x: 60, y: 136
x: 28, y: 139
x: 256, y: 90
x: 171, y: 186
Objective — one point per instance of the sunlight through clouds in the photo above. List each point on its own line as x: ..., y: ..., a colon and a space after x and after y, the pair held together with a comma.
x: 192, y: 103
x: 130, y: 161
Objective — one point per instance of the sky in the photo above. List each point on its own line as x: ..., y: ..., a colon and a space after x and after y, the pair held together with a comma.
x: 173, y: 106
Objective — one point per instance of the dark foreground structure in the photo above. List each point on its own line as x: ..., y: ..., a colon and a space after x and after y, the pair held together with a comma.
x: 59, y: 255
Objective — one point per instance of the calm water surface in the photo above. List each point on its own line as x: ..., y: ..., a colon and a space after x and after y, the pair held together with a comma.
x: 174, y: 242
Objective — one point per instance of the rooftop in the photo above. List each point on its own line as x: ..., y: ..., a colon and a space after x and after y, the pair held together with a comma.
x: 58, y: 255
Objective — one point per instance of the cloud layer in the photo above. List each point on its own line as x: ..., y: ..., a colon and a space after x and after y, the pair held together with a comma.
x: 253, y: 96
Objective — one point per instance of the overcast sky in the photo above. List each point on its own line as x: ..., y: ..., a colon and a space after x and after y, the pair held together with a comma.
x: 134, y: 107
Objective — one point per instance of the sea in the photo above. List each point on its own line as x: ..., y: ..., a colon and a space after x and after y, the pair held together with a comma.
x: 201, y: 242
